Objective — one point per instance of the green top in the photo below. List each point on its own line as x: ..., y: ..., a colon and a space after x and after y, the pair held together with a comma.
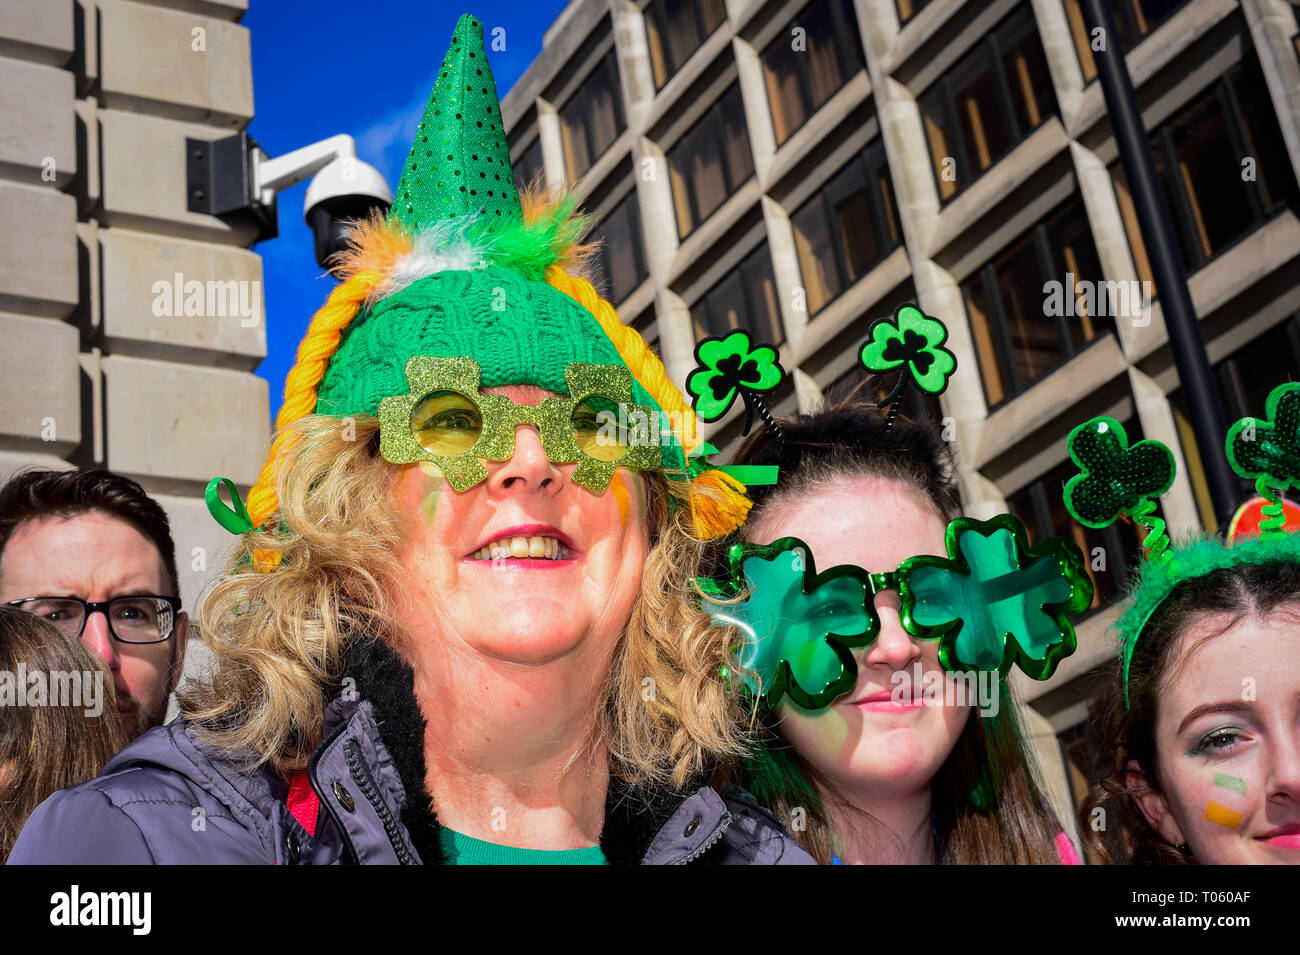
x: 464, y: 850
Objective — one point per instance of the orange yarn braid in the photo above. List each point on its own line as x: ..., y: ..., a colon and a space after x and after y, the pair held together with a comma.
x: 318, y: 346
x: 723, y: 506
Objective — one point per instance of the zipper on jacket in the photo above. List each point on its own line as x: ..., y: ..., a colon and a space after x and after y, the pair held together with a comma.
x: 709, y: 843
x: 361, y: 776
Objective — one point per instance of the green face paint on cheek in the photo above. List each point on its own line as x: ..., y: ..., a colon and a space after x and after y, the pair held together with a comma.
x: 640, y: 496
x: 1224, y: 781
x: 432, y: 490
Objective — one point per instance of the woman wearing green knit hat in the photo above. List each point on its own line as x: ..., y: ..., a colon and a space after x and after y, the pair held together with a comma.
x: 459, y: 625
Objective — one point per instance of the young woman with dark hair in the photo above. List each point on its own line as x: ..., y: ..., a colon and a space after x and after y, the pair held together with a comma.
x: 872, y: 778
x: 1205, y: 764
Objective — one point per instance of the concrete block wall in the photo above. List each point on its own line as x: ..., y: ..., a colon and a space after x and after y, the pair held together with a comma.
x: 131, y: 326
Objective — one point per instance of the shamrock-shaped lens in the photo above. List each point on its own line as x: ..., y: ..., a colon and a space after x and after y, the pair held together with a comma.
x: 596, y: 430
x: 446, y: 423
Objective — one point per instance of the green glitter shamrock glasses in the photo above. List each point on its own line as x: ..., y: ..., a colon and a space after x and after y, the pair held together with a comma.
x: 448, y: 420
x: 993, y: 601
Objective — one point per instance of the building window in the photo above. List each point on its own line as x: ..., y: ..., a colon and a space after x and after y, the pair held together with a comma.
x: 619, y: 261
x: 1041, y: 508
x: 592, y: 118
x: 1245, y: 379
x: 1024, y: 327
x: 677, y: 28
x: 849, y: 226
x: 529, y: 167
x: 985, y: 105
x: 910, y: 8
x: 710, y: 162
x: 1223, y: 165
x: 1133, y: 19
x: 809, y: 62
x: 745, y: 298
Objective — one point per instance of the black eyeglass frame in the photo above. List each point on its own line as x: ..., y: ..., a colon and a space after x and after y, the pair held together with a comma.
x: 89, y: 607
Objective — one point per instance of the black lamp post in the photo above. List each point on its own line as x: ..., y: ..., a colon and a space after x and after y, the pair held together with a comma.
x: 1203, y: 404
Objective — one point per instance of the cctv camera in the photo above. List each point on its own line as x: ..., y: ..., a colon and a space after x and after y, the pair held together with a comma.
x: 345, y: 190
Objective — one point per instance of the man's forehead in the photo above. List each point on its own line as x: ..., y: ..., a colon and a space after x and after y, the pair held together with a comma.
x: 92, y: 555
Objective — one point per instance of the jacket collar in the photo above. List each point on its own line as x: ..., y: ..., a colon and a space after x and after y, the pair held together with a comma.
x: 641, y: 825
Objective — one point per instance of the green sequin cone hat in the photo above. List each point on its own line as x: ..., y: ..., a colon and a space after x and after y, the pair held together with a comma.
x: 465, y: 267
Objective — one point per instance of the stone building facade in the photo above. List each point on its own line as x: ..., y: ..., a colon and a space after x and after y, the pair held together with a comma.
x: 130, y: 326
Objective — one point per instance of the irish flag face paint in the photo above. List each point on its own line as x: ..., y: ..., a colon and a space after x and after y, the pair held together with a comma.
x: 1221, y: 815
x: 1224, y: 781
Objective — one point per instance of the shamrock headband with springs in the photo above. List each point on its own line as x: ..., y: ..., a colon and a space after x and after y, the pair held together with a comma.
x: 993, y: 601
x: 1117, y: 481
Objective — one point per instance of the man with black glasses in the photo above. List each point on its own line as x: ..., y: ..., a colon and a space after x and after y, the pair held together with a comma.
x: 89, y: 551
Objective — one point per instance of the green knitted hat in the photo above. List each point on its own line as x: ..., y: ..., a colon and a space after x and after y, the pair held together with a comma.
x: 473, y: 282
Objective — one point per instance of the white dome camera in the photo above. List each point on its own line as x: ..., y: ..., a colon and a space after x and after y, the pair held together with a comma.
x: 344, y: 191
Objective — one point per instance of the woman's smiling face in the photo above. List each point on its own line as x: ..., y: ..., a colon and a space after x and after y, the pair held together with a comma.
x: 1227, y: 740
x: 877, y: 739
x: 526, y: 566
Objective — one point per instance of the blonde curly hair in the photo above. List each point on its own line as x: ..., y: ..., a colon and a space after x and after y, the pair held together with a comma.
x: 278, y: 637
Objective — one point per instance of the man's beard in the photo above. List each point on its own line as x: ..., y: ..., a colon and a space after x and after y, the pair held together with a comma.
x: 136, y: 721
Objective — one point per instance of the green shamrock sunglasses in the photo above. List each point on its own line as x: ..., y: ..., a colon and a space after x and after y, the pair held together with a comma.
x: 993, y: 601
x: 447, y: 419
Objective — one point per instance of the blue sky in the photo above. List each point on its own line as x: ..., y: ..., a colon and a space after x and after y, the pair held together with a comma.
x: 323, y: 67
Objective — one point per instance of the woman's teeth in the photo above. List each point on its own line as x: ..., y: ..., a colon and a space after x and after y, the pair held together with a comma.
x: 546, y: 548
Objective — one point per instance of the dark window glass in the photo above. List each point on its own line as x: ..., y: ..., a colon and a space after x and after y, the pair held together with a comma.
x: 1223, y: 167
x: 529, y: 167
x: 620, y: 260
x: 846, y: 228
x: 910, y: 8
x: 745, y: 298
x: 809, y: 61
x: 989, y: 101
x: 1245, y: 379
x: 592, y: 118
x: 1021, y: 328
x: 1041, y: 508
x: 675, y: 29
x: 710, y: 162
x: 1133, y: 20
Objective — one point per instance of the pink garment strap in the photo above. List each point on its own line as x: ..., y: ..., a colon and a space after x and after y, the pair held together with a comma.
x: 1065, y: 849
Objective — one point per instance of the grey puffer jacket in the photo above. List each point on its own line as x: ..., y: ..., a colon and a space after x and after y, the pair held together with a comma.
x: 167, y: 799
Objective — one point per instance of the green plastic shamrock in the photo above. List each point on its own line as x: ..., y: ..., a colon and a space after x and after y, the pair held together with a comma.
x: 797, y: 625
x: 1270, y: 448
x: 912, y: 341
x: 1114, y: 478
x: 728, y: 367
x: 995, y: 600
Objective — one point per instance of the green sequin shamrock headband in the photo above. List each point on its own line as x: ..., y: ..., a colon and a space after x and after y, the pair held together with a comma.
x: 447, y: 419
x: 1117, y: 481
x: 993, y: 601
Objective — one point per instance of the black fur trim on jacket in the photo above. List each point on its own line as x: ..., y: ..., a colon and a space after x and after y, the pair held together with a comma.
x: 388, y: 682
x: 633, y: 817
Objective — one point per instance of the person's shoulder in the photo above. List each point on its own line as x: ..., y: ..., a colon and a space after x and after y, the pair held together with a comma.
x: 156, y: 801
x: 756, y: 836
x: 81, y: 826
